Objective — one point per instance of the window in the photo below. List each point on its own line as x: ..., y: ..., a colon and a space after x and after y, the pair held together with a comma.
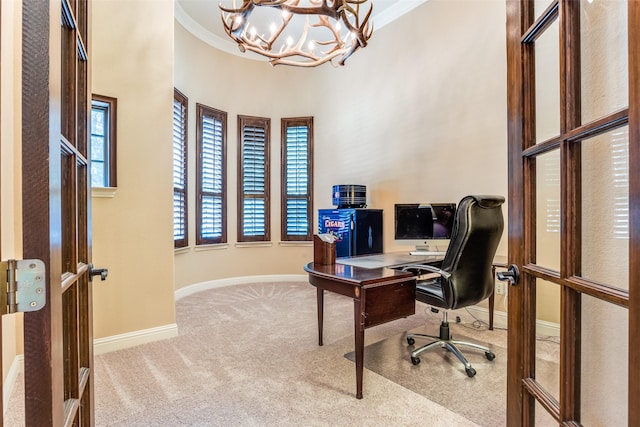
x: 211, y: 221
x: 103, y: 141
x: 620, y: 171
x: 253, y: 179
x: 297, y: 178
x: 180, y: 103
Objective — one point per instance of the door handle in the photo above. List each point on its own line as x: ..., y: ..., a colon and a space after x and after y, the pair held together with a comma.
x: 102, y: 272
x: 511, y: 275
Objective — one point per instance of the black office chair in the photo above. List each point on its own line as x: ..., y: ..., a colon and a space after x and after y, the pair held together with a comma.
x: 465, y: 276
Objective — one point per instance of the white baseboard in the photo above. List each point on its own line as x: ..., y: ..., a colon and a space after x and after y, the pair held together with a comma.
x: 132, y: 339
x: 100, y: 346
x: 211, y: 284
x: 16, y: 367
x: 543, y: 327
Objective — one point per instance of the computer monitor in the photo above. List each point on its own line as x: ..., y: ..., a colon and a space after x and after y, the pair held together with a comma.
x: 418, y: 223
x: 443, y: 214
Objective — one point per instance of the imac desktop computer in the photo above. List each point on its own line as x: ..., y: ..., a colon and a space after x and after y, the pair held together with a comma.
x: 427, y: 226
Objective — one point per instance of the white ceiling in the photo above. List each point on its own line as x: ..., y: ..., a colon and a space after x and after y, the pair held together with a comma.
x: 202, y: 19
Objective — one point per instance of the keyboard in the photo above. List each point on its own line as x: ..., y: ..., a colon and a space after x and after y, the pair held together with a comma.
x: 427, y: 253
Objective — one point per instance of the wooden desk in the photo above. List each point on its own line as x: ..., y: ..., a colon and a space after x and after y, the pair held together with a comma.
x: 379, y: 295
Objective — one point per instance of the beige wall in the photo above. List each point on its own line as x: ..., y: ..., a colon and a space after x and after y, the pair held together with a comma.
x: 10, y: 171
x: 413, y: 121
x: 132, y: 60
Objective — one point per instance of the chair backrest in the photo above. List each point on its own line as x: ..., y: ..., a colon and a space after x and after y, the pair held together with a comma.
x: 477, y: 230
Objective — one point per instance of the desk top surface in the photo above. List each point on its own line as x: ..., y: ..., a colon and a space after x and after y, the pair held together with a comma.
x: 372, y: 268
x: 369, y: 268
x: 392, y: 259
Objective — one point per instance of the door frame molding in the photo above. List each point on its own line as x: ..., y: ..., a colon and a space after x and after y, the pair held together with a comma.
x: 634, y: 209
x: 41, y: 216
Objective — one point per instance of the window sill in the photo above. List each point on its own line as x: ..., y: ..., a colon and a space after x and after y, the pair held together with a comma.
x: 103, y: 192
x: 177, y: 251
x: 295, y: 243
x: 253, y: 244
x: 212, y: 247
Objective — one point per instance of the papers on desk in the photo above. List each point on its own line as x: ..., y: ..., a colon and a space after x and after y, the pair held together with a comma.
x: 384, y: 260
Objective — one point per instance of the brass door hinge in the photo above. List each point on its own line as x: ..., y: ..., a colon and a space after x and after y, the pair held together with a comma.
x: 23, y: 285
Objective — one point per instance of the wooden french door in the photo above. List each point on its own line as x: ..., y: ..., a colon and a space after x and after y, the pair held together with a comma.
x: 58, y: 342
x: 574, y: 212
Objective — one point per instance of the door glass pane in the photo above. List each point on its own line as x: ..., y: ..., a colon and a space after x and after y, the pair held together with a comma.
x: 547, y: 369
x: 547, y: 82
x: 543, y: 418
x: 604, y: 69
x: 605, y: 349
x: 548, y: 210
x: 540, y: 6
x: 68, y: 214
x: 605, y: 208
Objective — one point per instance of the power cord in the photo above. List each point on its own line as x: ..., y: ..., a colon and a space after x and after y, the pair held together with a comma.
x: 479, y: 324
x: 549, y: 338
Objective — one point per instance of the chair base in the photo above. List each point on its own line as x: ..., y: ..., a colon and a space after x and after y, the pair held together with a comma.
x: 445, y: 341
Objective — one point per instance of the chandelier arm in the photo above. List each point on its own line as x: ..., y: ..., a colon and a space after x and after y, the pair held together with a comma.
x: 278, y: 32
x: 246, y: 4
x: 278, y: 56
x: 317, y: 61
x: 363, y: 32
x: 348, y: 53
x: 323, y: 8
x: 306, y: 10
x: 323, y: 21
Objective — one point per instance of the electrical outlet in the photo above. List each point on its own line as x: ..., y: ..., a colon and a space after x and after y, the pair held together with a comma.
x: 499, y: 288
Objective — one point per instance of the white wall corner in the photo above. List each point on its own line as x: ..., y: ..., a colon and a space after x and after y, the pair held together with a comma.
x: 17, y: 366
x: 132, y: 339
x: 100, y: 346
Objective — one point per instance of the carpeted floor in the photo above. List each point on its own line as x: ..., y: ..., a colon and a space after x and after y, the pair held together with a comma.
x: 247, y: 355
x: 441, y: 378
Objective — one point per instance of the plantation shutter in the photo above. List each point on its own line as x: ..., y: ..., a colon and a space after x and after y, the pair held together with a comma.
x: 179, y: 170
x: 254, y: 210
x: 296, y: 206
x: 211, y: 173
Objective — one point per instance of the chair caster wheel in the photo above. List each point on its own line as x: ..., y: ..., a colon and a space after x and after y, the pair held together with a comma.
x: 470, y: 372
x: 415, y: 360
x: 490, y: 356
x: 410, y: 341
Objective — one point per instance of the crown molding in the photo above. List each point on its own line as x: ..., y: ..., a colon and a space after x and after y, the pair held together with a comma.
x: 394, y: 12
x: 203, y: 34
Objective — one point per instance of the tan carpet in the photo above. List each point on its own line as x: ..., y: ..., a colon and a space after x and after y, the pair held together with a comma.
x: 441, y: 378
x: 247, y: 355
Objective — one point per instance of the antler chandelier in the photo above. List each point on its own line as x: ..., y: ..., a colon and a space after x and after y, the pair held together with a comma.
x: 306, y: 35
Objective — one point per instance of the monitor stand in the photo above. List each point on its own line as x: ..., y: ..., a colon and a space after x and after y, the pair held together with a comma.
x: 423, y: 247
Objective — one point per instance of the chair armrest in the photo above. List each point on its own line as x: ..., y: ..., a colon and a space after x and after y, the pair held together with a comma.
x: 420, y: 268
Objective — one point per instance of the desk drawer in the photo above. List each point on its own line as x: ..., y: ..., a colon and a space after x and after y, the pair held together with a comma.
x: 389, y: 302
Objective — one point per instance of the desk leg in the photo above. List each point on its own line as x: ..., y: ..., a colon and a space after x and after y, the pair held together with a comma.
x: 492, y: 298
x: 320, y: 297
x: 358, y: 320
